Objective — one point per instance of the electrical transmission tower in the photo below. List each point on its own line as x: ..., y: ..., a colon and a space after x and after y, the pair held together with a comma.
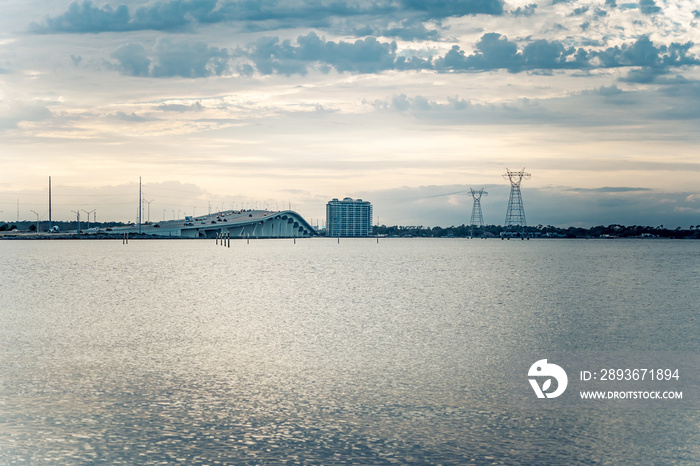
x: 477, y: 217
x: 515, y: 215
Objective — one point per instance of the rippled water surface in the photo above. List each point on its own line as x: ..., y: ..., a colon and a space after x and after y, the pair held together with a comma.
x: 319, y: 352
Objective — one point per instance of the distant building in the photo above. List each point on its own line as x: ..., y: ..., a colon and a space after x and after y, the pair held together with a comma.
x: 349, y: 217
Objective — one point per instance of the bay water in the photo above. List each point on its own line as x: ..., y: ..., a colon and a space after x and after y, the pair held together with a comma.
x: 327, y: 352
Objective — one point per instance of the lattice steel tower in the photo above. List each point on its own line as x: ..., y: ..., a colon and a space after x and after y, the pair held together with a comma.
x: 515, y: 215
x: 477, y: 217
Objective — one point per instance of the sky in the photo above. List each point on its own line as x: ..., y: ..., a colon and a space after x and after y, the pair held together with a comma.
x: 219, y: 104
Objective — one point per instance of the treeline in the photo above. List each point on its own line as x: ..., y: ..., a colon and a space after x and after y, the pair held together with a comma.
x: 462, y: 231
x: 27, y: 225
x: 615, y: 230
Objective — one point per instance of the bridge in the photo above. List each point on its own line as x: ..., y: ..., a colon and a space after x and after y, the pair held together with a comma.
x: 237, y: 224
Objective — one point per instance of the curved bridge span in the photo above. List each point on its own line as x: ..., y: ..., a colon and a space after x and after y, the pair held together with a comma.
x: 236, y: 224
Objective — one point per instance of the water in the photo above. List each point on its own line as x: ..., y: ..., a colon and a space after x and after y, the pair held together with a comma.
x: 319, y: 352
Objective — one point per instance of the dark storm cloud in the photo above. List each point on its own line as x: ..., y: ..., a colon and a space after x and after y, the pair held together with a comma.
x: 171, y: 58
x: 82, y: 17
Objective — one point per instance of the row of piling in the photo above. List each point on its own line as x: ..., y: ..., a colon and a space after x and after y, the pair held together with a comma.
x: 224, y: 239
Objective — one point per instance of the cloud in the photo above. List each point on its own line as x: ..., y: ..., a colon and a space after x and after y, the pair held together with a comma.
x: 681, y: 98
x: 526, y: 11
x: 495, y: 51
x: 641, y: 53
x: 181, y: 108
x: 446, y: 8
x: 12, y: 113
x: 131, y: 117
x: 653, y: 61
x: 171, y: 58
x: 132, y: 60
x: 605, y: 106
x: 361, y: 56
x: 648, y: 7
x: 188, y: 59
x: 609, y: 189
x: 455, y: 110
x: 608, y: 91
x: 644, y: 75
x: 419, y: 103
x: 85, y: 17
x: 409, y: 29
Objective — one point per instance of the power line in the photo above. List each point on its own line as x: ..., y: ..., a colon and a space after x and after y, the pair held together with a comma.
x: 401, y: 200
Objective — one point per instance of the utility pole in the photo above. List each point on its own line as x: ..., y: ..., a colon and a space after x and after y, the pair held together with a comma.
x: 140, y: 205
x: 149, y: 208
x: 49, y: 203
x: 78, y: 219
x: 88, y: 214
x: 477, y: 219
x: 515, y: 215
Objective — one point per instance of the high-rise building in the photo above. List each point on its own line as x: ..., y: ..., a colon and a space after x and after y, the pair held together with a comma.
x: 349, y: 217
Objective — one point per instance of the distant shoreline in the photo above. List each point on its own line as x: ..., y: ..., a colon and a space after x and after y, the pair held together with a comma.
x: 83, y: 236
x: 135, y: 236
